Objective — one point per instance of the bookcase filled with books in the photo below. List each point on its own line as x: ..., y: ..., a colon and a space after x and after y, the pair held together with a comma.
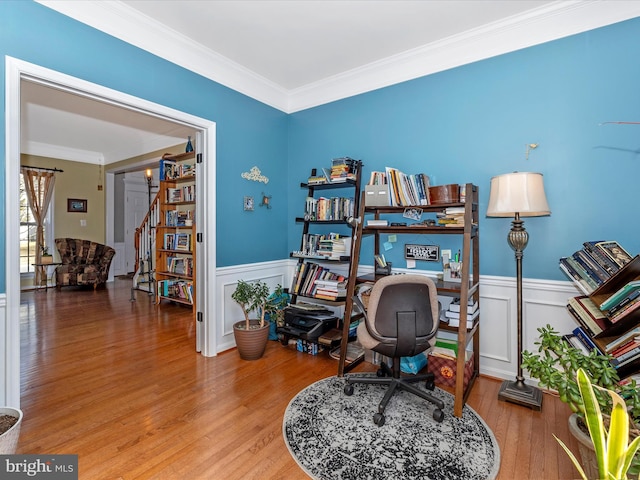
x: 608, y: 312
x: 175, y: 233
x: 323, y: 259
x: 389, y: 217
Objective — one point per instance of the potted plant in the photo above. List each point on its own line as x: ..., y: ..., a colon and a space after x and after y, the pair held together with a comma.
x: 252, y: 334
x: 10, y: 422
x: 614, y: 453
x: 45, y: 257
x: 556, y: 366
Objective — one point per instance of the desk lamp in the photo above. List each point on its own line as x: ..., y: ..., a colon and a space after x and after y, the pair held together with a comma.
x: 518, y: 194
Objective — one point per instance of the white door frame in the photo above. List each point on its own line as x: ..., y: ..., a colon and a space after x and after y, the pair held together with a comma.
x: 17, y: 70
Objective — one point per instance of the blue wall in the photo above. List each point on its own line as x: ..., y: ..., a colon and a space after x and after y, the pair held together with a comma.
x: 463, y: 125
x: 248, y: 132
x: 473, y: 122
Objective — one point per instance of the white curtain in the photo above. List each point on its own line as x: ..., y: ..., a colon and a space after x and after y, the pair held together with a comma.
x: 39, y: 189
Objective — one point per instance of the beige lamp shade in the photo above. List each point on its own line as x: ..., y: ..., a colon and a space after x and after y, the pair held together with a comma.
x: 518, y: 192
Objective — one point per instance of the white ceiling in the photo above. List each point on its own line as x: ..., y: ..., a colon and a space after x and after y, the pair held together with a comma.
x: 289, y: 54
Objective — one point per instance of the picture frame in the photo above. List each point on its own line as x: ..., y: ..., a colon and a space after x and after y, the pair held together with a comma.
x: 248, y: 203
x: 76, y: 205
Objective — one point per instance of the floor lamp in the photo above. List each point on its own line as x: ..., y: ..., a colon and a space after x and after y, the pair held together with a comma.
x: 518, y: 194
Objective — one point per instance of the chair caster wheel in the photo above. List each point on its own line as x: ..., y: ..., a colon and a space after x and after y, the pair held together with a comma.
x: 378, y: 419
x: 438, y: 415
x: 348, y: 389
x: 430, y: 385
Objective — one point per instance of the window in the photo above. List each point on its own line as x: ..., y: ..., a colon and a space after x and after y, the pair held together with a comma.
x: 28, y: 226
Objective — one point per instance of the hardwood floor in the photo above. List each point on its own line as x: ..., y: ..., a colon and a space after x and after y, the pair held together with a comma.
x: 119, y: 383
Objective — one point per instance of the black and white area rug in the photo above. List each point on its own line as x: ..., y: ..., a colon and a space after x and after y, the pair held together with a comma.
x: 332, y: 436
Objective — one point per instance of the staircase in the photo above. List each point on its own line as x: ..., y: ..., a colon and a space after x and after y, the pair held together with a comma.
x: 145, y: 243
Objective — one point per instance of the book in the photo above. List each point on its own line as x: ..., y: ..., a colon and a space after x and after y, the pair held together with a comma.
x: 626, y: 357
x: 454, y: 322
x: 626, y: 310
x: 592, y: 267
x: 456, y: 315
x: 575, y: 342
x: 577, y: 280
x: 585, y: 339
x: 377, y: 223
x: 599, y: 256
x: 577, y: 266
x: 620, y: 295
x: 454, y: 306
x: 627, y: 347
x: 615, y: 252
x: 625, y: 337
x: 331, y: 338
x: 594, y: 319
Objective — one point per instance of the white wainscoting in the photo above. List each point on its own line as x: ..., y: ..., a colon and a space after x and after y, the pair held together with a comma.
x: 272, y: 273
x: 543, y: 302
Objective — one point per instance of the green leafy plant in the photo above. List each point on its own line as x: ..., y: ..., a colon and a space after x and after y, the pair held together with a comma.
x: 256, y: 297
x: 614, y: 453
x: 556, y: 366
x: 44, y: 250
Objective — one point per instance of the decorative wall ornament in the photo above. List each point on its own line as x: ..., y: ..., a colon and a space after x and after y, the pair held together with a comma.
x: 248, y: 203
x: 266, y: 200
x: 255, y: 175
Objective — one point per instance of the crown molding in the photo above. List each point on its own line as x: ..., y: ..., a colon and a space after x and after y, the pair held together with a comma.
x: 550, y: 22
x: 63, y: 153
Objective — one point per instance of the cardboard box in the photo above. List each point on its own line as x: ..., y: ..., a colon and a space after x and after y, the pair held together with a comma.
x: 376, y: 195
x: 444, y: 370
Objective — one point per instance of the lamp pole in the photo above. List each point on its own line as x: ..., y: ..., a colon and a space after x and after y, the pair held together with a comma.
x: 517, y: 391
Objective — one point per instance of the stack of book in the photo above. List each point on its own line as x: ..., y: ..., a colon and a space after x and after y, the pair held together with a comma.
x: 452, y: 314
x: 625, y: 349
x: 622, y: 302
x: 343, y: 169
x: 451, y: 217
x: 335, y: 247
x: 329, y: 289
x: 588, y: 315
x: 307, y: 273
x: 330, y: 246
x: 594, y: 264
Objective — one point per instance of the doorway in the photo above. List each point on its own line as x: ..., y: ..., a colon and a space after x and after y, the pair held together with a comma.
x: 18, y: 71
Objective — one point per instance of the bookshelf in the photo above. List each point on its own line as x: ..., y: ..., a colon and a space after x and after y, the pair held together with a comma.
x: 325, y: 243
x: 613, y: 329
x: 176, y: 231
x: 465, y: 289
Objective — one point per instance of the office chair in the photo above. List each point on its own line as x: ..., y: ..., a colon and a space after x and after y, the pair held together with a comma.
x: 401, y: 317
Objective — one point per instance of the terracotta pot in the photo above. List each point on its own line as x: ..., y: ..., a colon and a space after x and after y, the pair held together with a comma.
x: 585, y: 448
x: 9, y: 439
x: 251, y: 343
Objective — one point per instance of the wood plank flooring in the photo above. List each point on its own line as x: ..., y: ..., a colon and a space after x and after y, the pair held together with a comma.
x: 119, y: 383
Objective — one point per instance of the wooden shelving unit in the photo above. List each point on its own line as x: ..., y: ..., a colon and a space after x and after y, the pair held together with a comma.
x: 312, y: 225
x: 467, y: 288
x: 628, y: 273
x: 176, y: 231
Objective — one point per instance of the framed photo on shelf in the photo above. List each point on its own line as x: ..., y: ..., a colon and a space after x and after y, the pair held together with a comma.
x: 76, y: 205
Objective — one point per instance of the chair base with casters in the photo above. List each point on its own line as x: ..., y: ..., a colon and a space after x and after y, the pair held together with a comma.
x: 392, y: 378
